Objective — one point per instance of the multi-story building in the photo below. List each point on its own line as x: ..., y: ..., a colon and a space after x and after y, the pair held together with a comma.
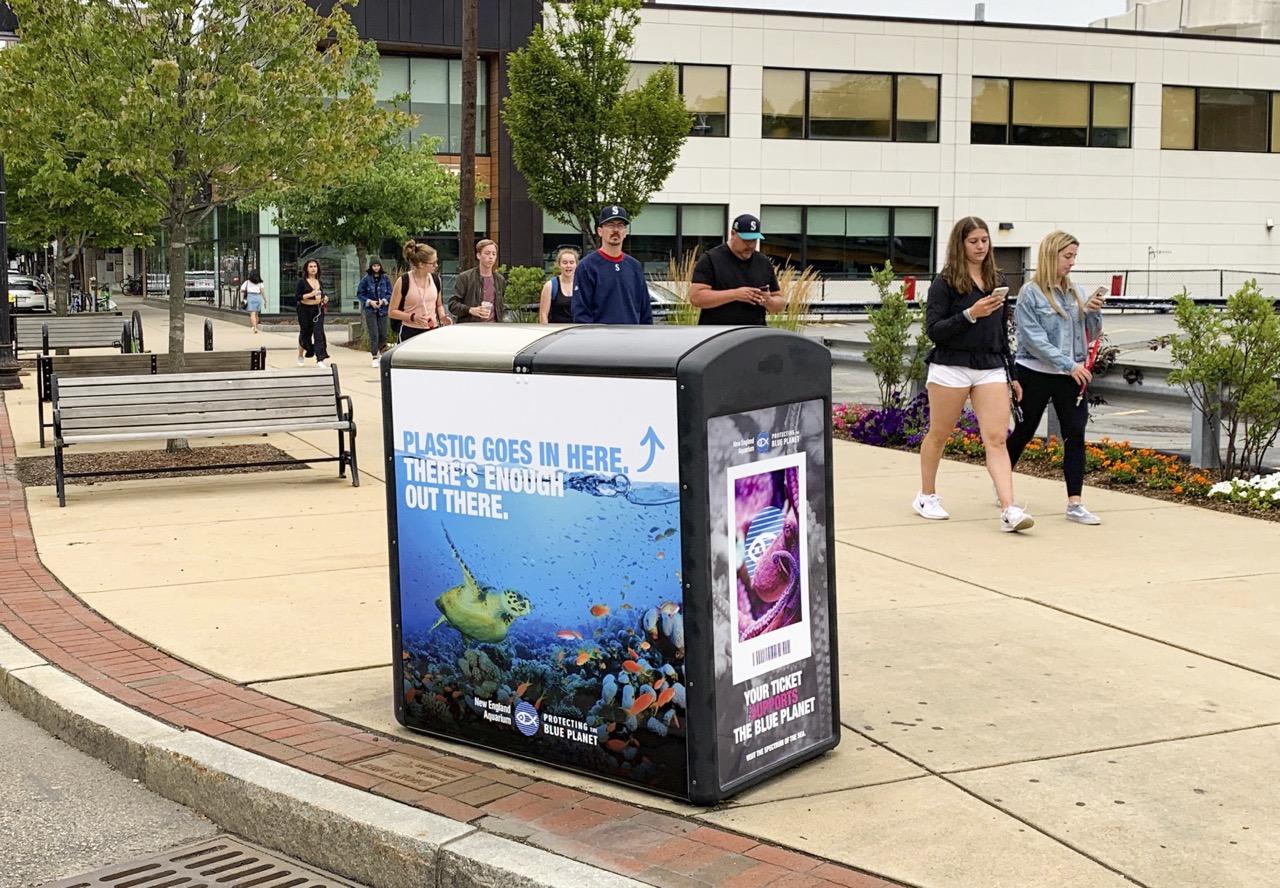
x: 859, y: 140
x: 1223, y: 18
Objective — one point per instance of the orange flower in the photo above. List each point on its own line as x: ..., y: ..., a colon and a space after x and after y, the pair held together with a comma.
x: 1177, y: 488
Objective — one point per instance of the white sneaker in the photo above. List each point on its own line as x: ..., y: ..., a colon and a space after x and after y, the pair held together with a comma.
x: 302, y: 362
x: 1080, y: 515
x: 377, y: 362
x: 929, y: 505
x: 1015, y: 518
x: 323, y: 365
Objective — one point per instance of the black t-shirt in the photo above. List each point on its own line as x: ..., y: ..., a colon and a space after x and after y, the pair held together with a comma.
x: 720, y: 269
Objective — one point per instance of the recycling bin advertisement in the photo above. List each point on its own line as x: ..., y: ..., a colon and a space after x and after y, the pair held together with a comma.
x: 538, y: 555
x: 768, y: 511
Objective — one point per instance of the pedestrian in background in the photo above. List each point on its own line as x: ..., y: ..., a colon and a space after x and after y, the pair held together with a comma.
x: 477, y: 292
x: 254, y: 294
x: 1055, y: 322
x: 968, y: 321
x: 733, y: 283
x: 611, y: 288
x: 374, y: 293
x: 417, y: 299
x: 311, y: 302
x: 555, y: 304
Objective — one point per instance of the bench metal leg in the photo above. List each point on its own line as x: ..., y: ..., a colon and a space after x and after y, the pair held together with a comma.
x: 59, y: 480
x: 351, y: 457
x: 342, y: 454
x: 40, y: 407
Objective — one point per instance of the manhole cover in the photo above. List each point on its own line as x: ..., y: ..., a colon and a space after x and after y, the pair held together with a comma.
x: 220, y: 862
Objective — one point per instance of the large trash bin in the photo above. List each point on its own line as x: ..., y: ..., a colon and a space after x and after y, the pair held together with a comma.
x: 611, y: 548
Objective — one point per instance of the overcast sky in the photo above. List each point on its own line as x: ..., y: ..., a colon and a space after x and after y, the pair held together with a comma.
x: 1054, y: 12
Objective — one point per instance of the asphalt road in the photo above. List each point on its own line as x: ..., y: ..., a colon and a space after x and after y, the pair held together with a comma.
x: 64, y: 813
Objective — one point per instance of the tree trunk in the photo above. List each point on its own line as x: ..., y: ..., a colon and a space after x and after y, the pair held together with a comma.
x: 62, y: 278
x: 467, y: 183
x: 177, y: 304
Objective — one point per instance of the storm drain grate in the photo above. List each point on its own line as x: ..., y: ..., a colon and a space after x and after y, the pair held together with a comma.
x: 220, y: 862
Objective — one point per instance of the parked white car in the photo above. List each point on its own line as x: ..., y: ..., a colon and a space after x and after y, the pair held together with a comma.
x: 26, y: 294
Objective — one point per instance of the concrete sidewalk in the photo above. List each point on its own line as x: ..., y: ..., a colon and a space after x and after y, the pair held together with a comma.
x: 1069, y: 707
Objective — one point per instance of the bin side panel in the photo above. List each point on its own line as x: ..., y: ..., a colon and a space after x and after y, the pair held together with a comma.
x: 765, y: 492
x: 538, y: 569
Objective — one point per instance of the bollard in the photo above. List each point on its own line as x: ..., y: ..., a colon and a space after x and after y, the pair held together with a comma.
x: 1206, y: 446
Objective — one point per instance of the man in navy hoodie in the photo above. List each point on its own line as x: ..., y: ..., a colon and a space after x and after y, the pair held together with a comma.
x: 609, y: 285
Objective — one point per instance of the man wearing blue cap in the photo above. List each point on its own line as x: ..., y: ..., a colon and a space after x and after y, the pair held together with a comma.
x: 609, y: 285
x: 733, y: 283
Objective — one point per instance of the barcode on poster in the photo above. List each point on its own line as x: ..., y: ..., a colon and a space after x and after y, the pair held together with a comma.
x: 772, y: 652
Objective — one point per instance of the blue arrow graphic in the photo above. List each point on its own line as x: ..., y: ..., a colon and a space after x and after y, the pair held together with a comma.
x: 651, y: 439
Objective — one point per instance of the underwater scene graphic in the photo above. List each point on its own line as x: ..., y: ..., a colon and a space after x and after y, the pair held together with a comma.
x: 557, y: 633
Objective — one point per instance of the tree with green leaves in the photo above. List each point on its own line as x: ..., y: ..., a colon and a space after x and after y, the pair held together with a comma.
x: 894, y: 357
x: 1228, y: 361
x: 194, y: 102
x: 73, y: 202
x: 578, y: 135
x: 404, y: 191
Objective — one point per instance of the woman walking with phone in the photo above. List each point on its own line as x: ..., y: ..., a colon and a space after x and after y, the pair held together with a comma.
x: 311, y: 302
x: 968, y: 322
x: 1055, y: 322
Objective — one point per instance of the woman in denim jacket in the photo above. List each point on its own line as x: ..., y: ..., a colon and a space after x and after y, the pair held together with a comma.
x: 1055, y: 322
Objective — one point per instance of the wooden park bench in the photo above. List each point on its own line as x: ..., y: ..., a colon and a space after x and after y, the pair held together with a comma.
x: 48, y: 333
x: 72, y: 366
x: 88, y: 410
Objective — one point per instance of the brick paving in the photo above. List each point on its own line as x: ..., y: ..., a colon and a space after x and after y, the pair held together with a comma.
x: 654, y: 848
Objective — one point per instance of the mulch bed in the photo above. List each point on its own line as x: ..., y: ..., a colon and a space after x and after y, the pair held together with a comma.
x: 1098, y: 479
x: 37, y: 471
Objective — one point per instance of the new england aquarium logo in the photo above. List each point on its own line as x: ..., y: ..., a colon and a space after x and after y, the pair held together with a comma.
x: 527, y: 720
x: 762, y: 442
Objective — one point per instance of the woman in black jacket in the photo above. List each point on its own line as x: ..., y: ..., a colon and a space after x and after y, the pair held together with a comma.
x: 968, y: 321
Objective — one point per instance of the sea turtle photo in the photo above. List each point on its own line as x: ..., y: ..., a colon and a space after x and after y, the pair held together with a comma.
x: 480, y: 613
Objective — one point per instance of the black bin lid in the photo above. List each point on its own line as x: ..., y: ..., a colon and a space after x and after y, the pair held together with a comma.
x: 618, y: 350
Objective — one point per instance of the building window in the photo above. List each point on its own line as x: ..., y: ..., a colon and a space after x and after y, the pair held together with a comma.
x: 705, y: 89
x: 1219, y: 119
x: 850, y: 242
x: 657, y: 235
x: 849, y: 105
x: 434, y: 91
x: 1066, y: 113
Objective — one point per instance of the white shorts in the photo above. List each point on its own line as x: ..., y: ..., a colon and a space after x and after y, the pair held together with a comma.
x: 964, y: 377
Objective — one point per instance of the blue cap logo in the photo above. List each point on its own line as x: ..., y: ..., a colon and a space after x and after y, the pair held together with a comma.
x: 527, y: 719
x: 762, y: 442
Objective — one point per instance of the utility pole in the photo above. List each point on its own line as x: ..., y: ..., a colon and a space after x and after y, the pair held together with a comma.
x: 467, y: 201
x: 8, y: 363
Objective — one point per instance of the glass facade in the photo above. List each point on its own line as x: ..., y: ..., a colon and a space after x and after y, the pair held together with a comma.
x: 1219, y: 119
x: 849, y: 242
x: 849, y: 105
x: 432, y: 89
x: 659, y: 233
x: 1066, y: 113
x: 705, y: 89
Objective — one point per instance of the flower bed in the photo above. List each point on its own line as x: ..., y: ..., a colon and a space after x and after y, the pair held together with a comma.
x: 1112, y: 464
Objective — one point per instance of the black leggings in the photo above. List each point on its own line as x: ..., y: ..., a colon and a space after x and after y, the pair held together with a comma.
x: 1037, y: 390
x: 311, y: 338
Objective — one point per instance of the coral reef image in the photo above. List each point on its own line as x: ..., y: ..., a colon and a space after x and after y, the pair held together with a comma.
x: 557, y: 635
x: 767, y: 559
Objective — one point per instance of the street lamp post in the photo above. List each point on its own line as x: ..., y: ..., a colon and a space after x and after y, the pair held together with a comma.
x: 8, y: 364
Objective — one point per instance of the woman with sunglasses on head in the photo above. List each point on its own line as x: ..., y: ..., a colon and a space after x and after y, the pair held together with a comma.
x: 968, y: 322
x: 1056, y: 322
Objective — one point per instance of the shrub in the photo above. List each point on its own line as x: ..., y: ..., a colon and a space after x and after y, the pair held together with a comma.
x: 524, y: 286
x: 1228, y: 362
x: 796, y: 288
x: 893, y: 357
x: 682, y: 312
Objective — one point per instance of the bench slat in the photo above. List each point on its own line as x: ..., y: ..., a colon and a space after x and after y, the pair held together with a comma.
x: 254, y: 379
x: 84, y: 418
x: 206, y: 397
x: 231, y: 431
x: 98, y: 408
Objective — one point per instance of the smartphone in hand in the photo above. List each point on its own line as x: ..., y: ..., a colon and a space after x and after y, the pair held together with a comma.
x: 1000, y: 293
x: 1100, y: 293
